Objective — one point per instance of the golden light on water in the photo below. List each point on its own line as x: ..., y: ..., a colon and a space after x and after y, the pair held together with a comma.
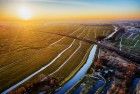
x: 24, y: 13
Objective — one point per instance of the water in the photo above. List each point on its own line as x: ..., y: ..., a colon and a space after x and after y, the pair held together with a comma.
x: 107, y: 86
x: 80, y: 74
x: 78, y: 90
x: 97, y: 85
x: 134, y: 84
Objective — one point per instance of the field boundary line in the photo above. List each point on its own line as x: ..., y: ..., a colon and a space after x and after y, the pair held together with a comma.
x: 67, y: 59
x: 35, y: 73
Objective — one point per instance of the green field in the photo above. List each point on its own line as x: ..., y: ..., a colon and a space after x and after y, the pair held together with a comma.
x: 26, y: 48
x: 133, y: 46
x: 128, y: 41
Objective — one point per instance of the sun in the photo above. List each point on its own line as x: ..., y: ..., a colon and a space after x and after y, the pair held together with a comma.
x: 24, y: 13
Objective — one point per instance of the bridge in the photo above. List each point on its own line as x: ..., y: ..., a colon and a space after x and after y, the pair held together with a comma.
x: 124, y: 54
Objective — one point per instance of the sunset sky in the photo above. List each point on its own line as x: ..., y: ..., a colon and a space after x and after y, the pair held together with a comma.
x: 69, y: 9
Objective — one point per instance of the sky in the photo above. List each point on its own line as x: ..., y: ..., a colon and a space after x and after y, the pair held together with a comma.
x: 70, y: 10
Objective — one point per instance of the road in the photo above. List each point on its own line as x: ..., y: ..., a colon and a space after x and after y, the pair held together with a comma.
x: 115, y: 31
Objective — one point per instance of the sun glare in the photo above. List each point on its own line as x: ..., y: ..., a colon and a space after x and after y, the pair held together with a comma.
x: 24, y: 13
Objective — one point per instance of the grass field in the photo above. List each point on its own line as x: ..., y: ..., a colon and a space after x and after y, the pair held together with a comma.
x: 26, y: 48
x: 128, y: 41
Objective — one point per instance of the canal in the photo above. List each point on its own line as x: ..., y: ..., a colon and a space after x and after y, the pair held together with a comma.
x: 80, y: 74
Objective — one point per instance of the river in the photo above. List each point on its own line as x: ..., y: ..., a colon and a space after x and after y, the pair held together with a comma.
x: 80, y: 74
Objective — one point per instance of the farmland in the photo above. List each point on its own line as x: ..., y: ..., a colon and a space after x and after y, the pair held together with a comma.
x: 128, y: 40
x: 26, y: 48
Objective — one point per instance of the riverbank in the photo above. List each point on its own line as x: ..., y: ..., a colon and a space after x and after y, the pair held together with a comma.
x: 80, y: 74
x: 62, y: 90
x: 77, y: 68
